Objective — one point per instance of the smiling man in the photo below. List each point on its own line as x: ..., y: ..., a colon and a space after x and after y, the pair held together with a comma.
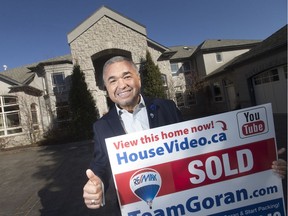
x: 132, y: 112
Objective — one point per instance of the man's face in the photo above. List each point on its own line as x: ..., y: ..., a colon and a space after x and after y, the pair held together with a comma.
x: 123, y: 84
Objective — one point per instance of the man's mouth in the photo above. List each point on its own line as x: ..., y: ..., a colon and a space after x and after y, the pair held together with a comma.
x: 124, y: 93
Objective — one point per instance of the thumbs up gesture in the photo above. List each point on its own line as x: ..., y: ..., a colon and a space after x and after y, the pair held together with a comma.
x: 93, y: 191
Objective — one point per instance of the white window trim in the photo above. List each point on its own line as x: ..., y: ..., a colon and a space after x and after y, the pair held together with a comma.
x: 60, y: 87
x: 3, y: 114
x: 174, y: 72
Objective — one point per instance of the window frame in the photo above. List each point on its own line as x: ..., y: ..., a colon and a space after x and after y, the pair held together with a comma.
x: 266, y: 77
x: 190, y: 98
x: 176, y: 67
x: 58, y: 87
x: 180, y: 103
x: 34, y: 116
x: 10, y: 118
x: 218, y: 96
x: 164, y: 80
x: 62, y: 112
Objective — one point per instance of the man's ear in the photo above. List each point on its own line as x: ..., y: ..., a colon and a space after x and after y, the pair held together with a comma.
x: 140, y: 82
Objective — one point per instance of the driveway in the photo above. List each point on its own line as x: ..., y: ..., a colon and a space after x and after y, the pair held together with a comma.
x: 46, y: 181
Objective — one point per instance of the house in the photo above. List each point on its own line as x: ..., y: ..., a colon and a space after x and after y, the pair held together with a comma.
x: 33, y: 98
x: 254, y: 77
x: 191, y: 66
x: 212, y: 56
x: 213, y: 77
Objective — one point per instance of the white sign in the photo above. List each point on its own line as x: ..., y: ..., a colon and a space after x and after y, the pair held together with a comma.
x: 217, y: 165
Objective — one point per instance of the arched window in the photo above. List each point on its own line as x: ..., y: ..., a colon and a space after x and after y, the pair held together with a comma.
x: 9, y: 115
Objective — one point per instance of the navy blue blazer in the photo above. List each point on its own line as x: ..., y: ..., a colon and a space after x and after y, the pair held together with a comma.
x: 160, y: 112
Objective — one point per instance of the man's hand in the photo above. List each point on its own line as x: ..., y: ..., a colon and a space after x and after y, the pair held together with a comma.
x: 280, y: 166
x: 92, y: 191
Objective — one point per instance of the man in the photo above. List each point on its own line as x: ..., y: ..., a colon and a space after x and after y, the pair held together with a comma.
x: 132, y: 112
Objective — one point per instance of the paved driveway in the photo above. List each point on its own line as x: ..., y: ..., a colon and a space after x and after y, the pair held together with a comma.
x: 46, y: 181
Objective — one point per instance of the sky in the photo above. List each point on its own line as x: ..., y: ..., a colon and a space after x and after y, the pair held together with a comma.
x: 36, y: 30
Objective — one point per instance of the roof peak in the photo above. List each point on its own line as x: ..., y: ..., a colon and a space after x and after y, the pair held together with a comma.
x: 97, y: 15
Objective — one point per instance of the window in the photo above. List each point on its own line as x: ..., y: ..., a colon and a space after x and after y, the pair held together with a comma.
x: 63, y: 113
x: 9, y: 115
x: 266, y: 77
x: 217, y: 92
x: 185, y: 99
x: 164, y: 79
x: 219, y: 57
x: 186, y: 67
x: 174, y: 67
x: 34, y: 117
x: 190, y: 98
x: 179, y: 99
x: 58, y: 82
x: 1, y: 125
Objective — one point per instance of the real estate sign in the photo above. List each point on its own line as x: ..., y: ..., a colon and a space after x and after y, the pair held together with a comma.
x: 217, y: 165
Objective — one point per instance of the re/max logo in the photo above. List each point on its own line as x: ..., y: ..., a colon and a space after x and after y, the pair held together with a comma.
x: 144, y: 178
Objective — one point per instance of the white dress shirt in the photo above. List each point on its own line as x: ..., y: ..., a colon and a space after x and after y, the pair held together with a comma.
x: 136, y: 121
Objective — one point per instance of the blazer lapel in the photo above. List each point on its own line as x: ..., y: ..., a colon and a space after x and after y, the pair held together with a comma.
x: 152, y: 111
x: 114, y: 123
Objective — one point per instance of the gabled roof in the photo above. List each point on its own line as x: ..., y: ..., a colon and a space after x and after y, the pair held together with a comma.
x: 53, y: 61
x: 57, y: 60
x: 276, y: 40
x: 18, y: 76
x: 177, y: 53
x: 222, y: 45
x: 156, y: 45
x: 23, y: 75
x: 105, y: 11
x: 182, y: 51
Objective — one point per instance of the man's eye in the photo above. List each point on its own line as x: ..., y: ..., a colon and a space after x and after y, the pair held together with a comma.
x: 112, y: 81
x: 127, y: 77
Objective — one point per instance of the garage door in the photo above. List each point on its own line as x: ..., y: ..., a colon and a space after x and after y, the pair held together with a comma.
x: 271, y: 87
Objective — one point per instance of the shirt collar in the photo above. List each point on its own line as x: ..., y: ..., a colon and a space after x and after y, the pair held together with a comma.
x: 138, y: 106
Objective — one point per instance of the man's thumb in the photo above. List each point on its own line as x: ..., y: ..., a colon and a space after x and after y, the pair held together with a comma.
x: 90, y: 174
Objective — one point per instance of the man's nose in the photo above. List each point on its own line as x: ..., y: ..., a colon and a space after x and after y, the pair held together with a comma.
x: 121, y: 83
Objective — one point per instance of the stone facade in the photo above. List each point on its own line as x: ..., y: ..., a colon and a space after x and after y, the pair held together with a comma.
x: 107, y: 34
